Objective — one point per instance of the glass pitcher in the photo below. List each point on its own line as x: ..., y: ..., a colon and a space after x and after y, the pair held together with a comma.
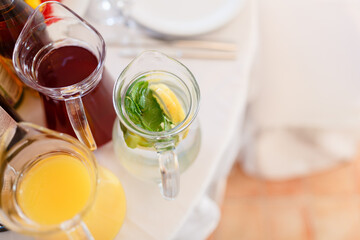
x: 158, y: 154
x: 61, y: 56
x: 52, y: 188
x: 25, y: 153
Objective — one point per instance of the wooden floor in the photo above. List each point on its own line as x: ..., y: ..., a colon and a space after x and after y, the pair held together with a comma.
x: 324, y: 206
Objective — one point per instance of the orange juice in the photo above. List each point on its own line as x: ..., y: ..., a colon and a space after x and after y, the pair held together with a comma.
x: 58, y: 187
x: 107, y: 214
x: 54, y: 190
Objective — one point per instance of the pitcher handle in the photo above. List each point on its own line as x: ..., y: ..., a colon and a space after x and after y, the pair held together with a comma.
x: 79, y: 122
x: 169, y: 170
x: 80, y: 232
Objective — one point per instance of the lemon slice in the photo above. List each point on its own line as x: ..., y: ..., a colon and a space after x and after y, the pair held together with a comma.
x: 168, y: 102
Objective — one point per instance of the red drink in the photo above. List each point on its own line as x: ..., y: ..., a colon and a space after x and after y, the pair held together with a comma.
x: 68, y: 65
x: 13, y: 15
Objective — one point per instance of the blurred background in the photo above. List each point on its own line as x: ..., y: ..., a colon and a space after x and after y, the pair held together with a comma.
x: 297, y: 175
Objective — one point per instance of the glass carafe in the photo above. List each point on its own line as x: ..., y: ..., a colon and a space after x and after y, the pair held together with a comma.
x: 159, y: 156
x: 53, y: 188
x: 61, y: 56
x: 24, y: 151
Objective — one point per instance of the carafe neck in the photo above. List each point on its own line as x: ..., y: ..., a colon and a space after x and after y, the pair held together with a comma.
x: 6, y: 4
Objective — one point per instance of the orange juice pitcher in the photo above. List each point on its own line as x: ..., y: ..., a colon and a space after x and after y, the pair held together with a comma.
x: 51, y: 186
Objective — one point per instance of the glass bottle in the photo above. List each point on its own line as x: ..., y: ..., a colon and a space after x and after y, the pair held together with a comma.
x: 13, y: 15
x: 9, y: 109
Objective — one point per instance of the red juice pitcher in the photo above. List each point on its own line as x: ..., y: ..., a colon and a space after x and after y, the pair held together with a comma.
x: 62, y: 57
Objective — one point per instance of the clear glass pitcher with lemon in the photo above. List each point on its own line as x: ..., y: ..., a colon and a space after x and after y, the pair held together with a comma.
x: 157, y: 136
x: 52, y: 187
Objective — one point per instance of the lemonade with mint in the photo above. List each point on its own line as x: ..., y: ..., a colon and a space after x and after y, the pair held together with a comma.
x: 156, y: 102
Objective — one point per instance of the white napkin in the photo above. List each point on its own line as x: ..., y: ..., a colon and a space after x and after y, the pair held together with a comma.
x: 304, y: 108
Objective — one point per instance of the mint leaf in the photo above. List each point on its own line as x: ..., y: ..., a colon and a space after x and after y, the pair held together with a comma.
x: 144, y: 110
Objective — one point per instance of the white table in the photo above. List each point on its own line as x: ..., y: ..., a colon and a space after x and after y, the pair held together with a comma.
x: 223, y: 85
